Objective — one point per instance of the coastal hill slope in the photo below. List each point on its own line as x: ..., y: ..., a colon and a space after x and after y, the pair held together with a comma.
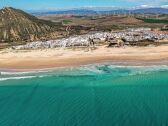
x: 18, y: 26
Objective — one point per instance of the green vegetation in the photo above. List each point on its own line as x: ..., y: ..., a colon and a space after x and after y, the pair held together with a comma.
x: 67, y: 21
x: 147, y: 20
x: 78, y: 16
x: 115, y: 27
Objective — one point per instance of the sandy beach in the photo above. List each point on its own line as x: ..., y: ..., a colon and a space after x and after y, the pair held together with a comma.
x: 63, y: 57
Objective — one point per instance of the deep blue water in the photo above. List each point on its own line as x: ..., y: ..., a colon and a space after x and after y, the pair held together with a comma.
x: 94, y: 95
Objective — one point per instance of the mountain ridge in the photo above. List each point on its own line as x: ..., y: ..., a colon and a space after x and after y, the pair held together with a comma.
x: 92, y: 11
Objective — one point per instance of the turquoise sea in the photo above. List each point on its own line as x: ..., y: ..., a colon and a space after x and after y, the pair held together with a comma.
x: 91, y: 95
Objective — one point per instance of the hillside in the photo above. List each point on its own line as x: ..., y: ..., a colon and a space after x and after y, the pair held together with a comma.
x: 16, y: 25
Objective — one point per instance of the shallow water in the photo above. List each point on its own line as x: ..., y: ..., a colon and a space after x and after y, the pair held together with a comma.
x: 93, y: 95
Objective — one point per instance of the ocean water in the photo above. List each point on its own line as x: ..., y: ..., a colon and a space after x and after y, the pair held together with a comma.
x: 92, y: 95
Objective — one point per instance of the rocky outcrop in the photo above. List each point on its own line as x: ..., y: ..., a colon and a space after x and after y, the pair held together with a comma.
x: 16, y: 26
x: 165, y: 27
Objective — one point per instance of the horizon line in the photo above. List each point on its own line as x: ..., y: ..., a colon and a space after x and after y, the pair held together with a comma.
x: 92, y: 8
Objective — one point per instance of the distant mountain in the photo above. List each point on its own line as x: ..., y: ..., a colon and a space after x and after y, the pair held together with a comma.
x: 16, y: 25
x: 140, y: 11
x: 74, y: 11
x: 152, y: 10
x: 104, y: 11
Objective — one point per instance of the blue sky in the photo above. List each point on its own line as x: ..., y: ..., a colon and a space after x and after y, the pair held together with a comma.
x: 63, y: 4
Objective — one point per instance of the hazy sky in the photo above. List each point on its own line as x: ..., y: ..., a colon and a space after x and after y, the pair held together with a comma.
x: 61, y: 4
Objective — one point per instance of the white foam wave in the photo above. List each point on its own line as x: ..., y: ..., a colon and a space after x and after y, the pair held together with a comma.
x: 93, y: 69
x: 21, y: 73
x: 16, y: 78
x: 129, y: 70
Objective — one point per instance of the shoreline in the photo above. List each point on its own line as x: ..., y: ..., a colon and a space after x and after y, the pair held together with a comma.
x: 103, y: 62
x: 28, y: 60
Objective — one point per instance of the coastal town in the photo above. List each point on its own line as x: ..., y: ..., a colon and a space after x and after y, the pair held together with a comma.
x: 127, y: 37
